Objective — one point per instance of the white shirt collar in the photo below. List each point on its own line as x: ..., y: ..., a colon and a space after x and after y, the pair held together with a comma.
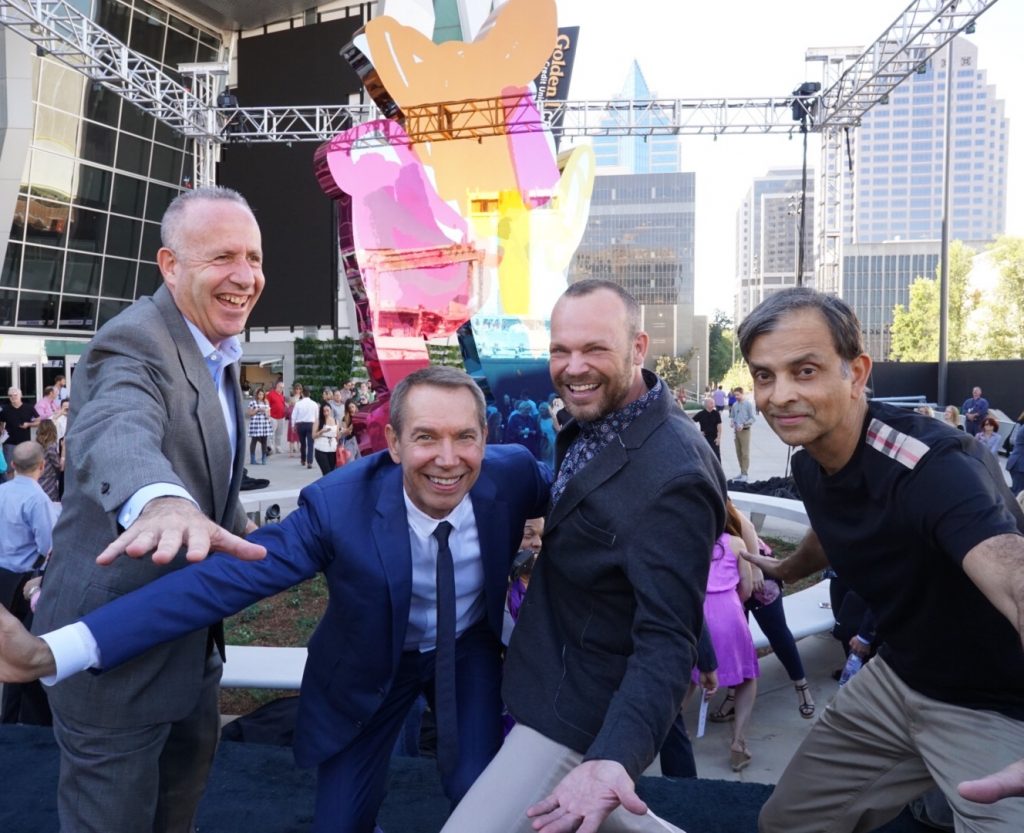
x: 424, y: 525
x: 217, y: 357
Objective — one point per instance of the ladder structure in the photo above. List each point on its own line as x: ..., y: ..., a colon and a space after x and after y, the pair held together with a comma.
x: 853, y: 81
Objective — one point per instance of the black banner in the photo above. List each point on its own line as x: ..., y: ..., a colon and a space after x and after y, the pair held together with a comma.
x: 553, y: 81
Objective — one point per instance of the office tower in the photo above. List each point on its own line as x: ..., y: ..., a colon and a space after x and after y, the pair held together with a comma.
x: 636, y: 154
x: 767, y: 235
x: 892, y: 218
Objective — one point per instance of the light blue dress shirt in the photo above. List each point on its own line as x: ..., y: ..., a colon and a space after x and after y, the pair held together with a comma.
x: 26, y: 524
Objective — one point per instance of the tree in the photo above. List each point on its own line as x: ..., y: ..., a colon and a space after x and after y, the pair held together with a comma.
x: 1002, y: 332
x: 915, y: 328
x: 737, y: 376
x: 720, y: 346
x: 675, y: 370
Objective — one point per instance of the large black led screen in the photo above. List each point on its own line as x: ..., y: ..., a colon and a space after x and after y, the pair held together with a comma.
x: 296, y: 66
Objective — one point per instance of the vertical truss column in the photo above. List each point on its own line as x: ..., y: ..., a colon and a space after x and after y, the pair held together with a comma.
x: 205, y: 80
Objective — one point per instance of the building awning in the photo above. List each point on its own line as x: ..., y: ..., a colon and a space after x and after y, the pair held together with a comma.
x: 22, y: 349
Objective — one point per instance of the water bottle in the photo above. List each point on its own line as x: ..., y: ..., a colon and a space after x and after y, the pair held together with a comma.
x: 853, y: 664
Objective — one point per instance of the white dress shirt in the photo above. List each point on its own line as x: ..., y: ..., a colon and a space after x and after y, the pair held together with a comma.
x: 464, y: 542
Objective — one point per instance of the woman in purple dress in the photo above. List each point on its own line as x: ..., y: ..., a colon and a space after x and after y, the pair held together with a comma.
x: 729, y: 586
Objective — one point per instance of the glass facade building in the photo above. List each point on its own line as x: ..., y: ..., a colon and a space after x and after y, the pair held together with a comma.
x: 636, y: 154
x: 767, y: 237
x: 97, y: 177
x: 899, y: 157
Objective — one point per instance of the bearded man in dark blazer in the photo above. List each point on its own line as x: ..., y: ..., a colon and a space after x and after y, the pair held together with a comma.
x: 601, y: 656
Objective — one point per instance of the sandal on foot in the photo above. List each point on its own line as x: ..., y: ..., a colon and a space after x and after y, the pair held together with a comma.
x: 806, y: 707
x: 725, y: 712
x: 739, y: 759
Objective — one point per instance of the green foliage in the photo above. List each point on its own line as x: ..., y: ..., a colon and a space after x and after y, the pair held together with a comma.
x: 738, y: 375
x: 324, y: 364
x: 915, y: 328
x: 720, y: 346
x: 675, y: 370
x: 1002, y: 337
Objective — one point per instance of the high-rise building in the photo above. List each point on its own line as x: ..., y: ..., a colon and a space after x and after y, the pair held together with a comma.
x: 892, y: 217
x: 898, y: 154
x: 767, y: 237
x: 636, y: 154
x: 640, y: 234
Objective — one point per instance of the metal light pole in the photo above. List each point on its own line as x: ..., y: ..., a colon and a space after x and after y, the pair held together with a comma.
x: 943, y: 380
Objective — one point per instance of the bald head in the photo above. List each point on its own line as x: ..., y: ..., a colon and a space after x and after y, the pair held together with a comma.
x: 28, y: 458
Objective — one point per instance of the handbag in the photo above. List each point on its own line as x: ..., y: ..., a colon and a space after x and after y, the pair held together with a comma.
x: 342, y: 455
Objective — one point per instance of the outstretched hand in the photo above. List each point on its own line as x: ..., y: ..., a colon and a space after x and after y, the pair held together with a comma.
x: 585, y: 798
x: 767, y: 564
x: 992, y: 788
x: 169, y: 523
x: 23, y: 657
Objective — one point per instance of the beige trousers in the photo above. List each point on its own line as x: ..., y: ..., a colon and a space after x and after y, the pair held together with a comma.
x: 879, y: 745
x: 526, y: 769
x: 742, y: 439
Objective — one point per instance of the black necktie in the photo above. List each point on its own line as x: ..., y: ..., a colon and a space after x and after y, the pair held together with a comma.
x: 444, y: 656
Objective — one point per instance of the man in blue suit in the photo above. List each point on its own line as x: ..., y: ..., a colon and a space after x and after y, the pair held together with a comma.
x: 373, y: 529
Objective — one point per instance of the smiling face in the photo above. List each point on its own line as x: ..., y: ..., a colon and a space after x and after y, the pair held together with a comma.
x: 806, y: 392
x: 216, y: 274
x: 595, y: 360
x: 440, y: 449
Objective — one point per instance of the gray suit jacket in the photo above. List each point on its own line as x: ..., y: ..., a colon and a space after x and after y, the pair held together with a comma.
x: 145, y: 410
x: 606, y: 639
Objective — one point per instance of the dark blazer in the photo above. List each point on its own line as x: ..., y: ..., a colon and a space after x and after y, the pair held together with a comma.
x: 351, y: 525
x: 145, y: 410
x: 601, y: 656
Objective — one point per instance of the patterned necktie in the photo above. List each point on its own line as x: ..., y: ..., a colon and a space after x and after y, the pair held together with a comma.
x: 444, y: 656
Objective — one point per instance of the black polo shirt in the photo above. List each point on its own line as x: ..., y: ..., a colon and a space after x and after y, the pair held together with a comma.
x: 708, y: 422
x: 14, y: 417
x: 896, y: 523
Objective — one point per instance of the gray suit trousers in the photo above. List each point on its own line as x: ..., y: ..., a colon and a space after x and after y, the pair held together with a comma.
x: 144, y: 779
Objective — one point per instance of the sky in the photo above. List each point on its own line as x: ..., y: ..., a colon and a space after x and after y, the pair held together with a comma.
x: 697, y: 50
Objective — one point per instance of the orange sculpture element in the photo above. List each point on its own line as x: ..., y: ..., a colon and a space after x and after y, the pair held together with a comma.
x: 509, y: 51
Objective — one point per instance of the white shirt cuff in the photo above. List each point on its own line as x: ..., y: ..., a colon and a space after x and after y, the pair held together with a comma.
x: 136, y: 503
x: 74, y: 649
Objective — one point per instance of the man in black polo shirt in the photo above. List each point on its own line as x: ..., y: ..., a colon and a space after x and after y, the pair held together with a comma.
x: 18, y: 418
x: 710, y: 422
x: 919, y: 523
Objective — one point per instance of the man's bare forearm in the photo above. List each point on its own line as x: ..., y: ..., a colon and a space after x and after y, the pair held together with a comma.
x: 808, y: 558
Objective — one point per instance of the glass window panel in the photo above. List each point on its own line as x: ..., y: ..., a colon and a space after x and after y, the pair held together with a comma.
x: 129, y: 195
x: 56, y: 131
x: 208, y: 50
x: 78, y: 313
x: 180, y: 49
x: 135, y: 121
x: 133, y: 154
x: 93, y: 187
x: 118, y: 278
x: 52, y: 175
x: 166, y: 164
x: 46, y: 222
x: 82, y: 276
x: 149, y: 279
x: 8, y: 300
x: 147, y: 35
x: 37, y: 310
x: 159, y: 198
x: 165, y: 135
x: 108, y: 309
x: 114, y: 17
x: 88, y: 230
x: 102, y: 105
x: 60, y: 86
x: 98, y: 144
x: 42, y: 269
x: 123, y: 237
x: 150, y: 241
x: 12, y: 265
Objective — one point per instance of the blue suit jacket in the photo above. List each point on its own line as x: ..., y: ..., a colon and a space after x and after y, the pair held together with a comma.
x: 351, y: 525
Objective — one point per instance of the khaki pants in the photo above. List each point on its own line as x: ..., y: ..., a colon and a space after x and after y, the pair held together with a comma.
x: 742, y: 438
x: 879, y: 745
x: 526, y: 770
